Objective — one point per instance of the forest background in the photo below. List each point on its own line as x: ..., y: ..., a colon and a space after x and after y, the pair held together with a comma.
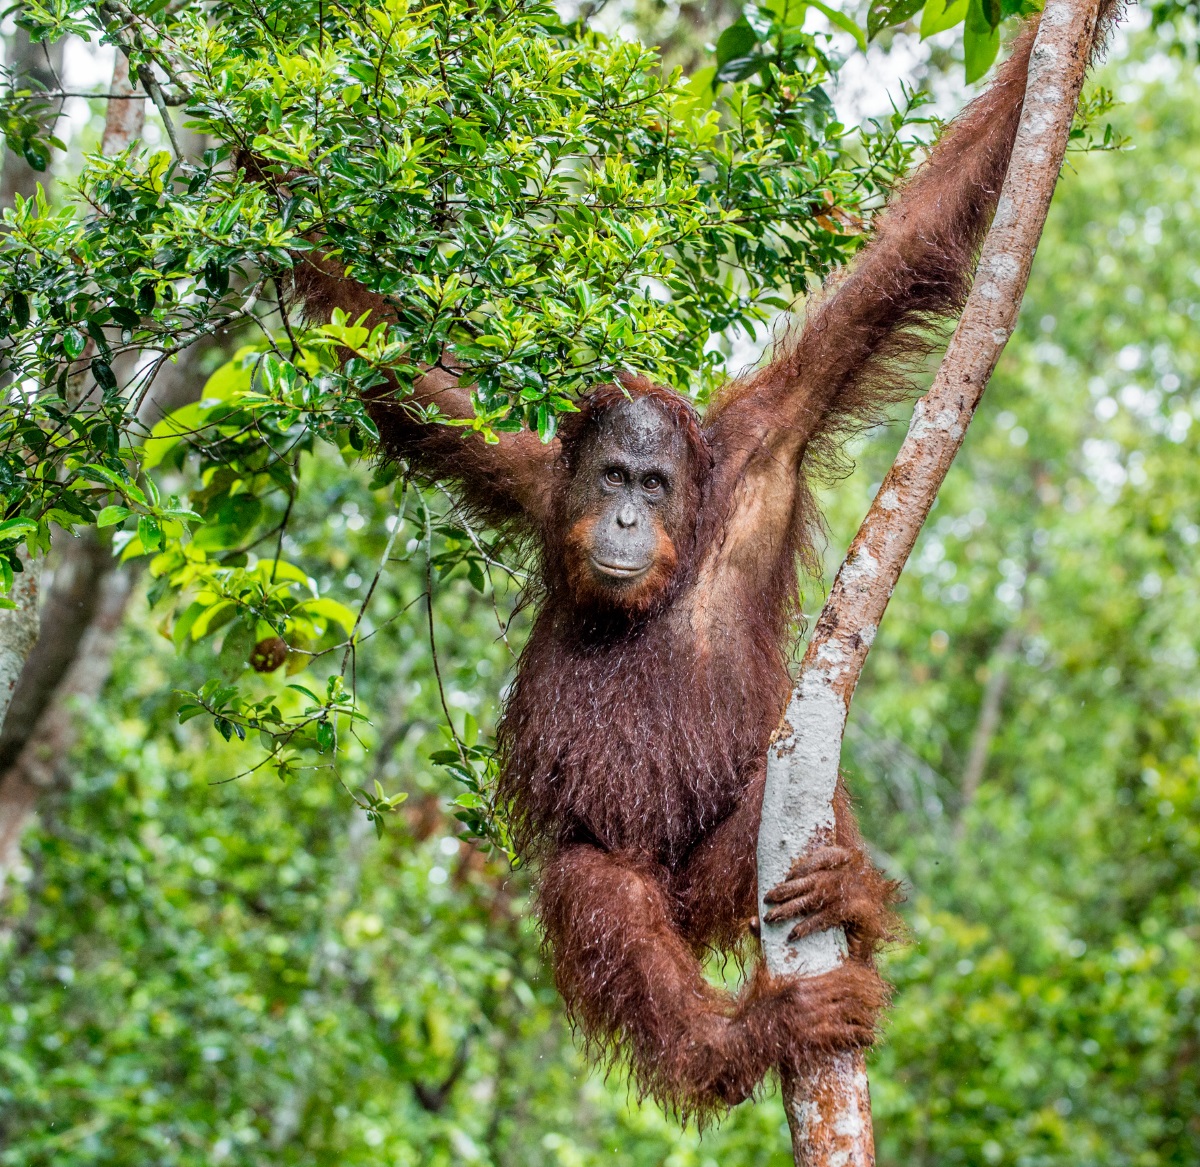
x: 200, y: 971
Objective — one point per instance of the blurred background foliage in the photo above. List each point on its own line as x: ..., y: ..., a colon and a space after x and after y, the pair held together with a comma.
x: 201, y: 971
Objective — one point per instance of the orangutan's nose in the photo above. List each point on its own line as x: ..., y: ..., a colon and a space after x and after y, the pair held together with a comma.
x: 627, y: 516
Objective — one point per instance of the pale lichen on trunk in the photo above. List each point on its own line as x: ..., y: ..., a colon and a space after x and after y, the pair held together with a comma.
x: 18, y: 630
x: 829, y: 1108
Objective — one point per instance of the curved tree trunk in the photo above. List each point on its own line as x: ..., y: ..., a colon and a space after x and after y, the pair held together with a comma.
x: 829, y: 1111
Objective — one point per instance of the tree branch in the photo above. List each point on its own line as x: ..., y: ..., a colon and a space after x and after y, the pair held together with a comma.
x: 829, y: 1110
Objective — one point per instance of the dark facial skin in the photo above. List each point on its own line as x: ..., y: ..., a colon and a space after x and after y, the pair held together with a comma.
x: 630, y: 496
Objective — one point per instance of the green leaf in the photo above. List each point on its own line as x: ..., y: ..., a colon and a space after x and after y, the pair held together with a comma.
x: 324, y: 736
x: 37, y: 155
x: 842, y: 21
x: 330, y: 610
x: 112, y: 515
x: 212, y: 618
x: 149, y: 533
x: 702, y: 83
x: 981, y: 43
x: 111, y: 478
x: 102, y: 371
x: 280, y: 570
x: 224, y: 727
x: 231, y: 525
x: 307, y: 692
x: 888, y: 13
x: 16, y: 528
x: 939, y: 15
x: 183, y: 626
x: 74, y: 342
x: 737, y: 40
x: 170, y: 431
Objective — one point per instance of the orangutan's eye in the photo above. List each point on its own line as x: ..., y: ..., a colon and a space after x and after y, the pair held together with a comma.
x: 652, y: 482
x: 614, y: 477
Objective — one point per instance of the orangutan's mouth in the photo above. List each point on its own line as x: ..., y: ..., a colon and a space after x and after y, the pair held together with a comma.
x: 620, y: 570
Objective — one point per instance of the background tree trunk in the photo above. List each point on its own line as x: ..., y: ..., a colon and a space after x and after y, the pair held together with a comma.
x: 18, y: 630
x: 829, y: 1111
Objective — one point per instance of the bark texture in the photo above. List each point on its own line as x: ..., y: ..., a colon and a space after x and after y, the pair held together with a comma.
x: 126, y: 116
x: 829, y: 1110
x: 18, y: 631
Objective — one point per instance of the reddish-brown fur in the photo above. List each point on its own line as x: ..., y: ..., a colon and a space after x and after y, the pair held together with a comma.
x: 633, y: 741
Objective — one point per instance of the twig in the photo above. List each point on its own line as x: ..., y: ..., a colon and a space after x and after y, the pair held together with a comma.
x: 160, y: 103
x: 829, y: 1109
x: 383, y: 562
x: 135, y: 96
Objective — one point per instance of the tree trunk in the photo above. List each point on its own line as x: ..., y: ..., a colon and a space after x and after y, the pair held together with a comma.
x: 829, y: 1110
x: 126, y: 116
x: 77, y: 631
x: 69, y: 604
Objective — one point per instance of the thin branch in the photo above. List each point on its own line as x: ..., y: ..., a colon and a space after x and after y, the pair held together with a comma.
x: 829, y: 1109
x: 160, y: 103
x: 384, y: 560
x: 135, y: 96
x: 132, y: 24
